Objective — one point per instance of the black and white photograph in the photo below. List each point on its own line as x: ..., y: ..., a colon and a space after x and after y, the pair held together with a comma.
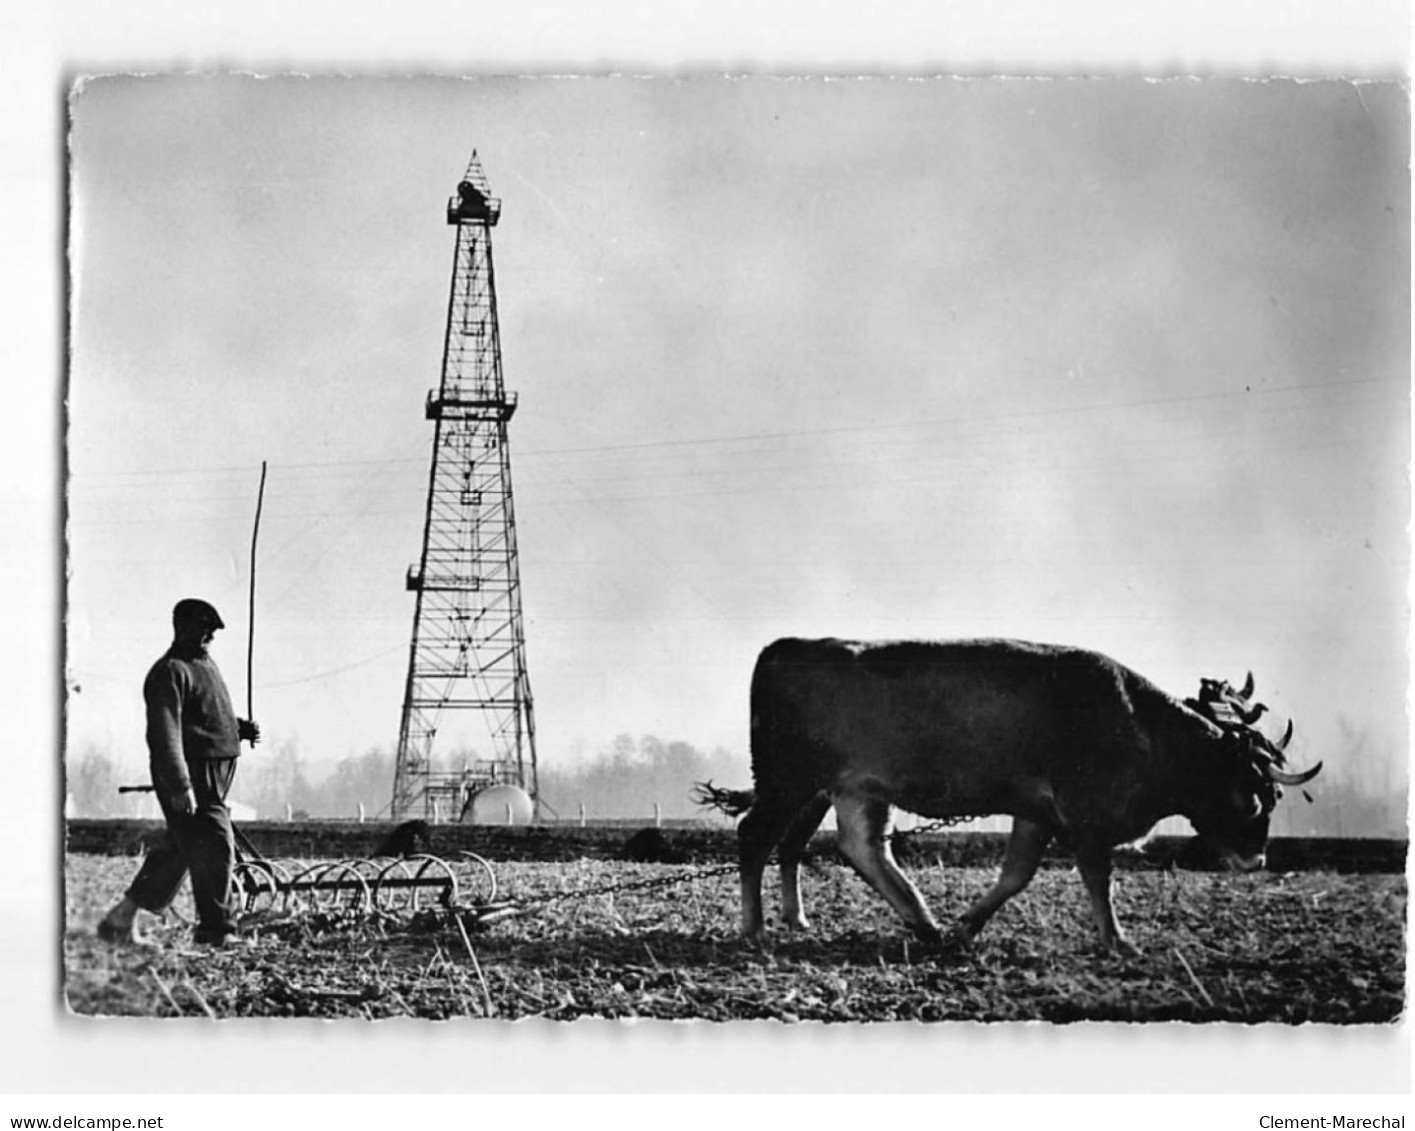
x: 870, y: 437
x: 870, y: 559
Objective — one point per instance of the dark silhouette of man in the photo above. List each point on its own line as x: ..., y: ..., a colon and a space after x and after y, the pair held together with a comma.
x: 193, y: 741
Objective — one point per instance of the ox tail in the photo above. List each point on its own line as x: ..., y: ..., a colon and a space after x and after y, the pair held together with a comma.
x: 733, y: 802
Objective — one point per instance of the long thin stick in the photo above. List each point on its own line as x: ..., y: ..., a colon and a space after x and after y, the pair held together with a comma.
x: 250, y: 639
x: 1198, y: 985
x: 485, y: 989
x: 201, y: 1001
x: 161, y: 985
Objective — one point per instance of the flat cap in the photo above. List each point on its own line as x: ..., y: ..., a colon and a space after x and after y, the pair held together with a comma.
x: 193, y: 610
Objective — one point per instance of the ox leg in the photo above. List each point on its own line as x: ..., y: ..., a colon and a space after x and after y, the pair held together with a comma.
x: 1024, y: 853
x: 793, y: 848
x: 759, y: 831
x: 1093, y: 860
x: 863, y: 839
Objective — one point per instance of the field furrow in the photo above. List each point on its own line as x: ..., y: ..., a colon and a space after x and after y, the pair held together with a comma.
x: 1293, y: 948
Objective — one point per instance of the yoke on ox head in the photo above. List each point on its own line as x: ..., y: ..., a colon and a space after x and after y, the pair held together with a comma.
x: 1075, y: 746
x: 1236, y: 822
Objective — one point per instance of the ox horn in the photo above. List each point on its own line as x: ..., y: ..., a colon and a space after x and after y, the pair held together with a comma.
x: 1248, y: 685
x: 1276, y: 750
x: 1283, y: 777
x: 1282, y: 742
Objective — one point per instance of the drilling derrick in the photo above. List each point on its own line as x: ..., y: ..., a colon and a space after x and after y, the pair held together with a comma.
x: 467, y: 682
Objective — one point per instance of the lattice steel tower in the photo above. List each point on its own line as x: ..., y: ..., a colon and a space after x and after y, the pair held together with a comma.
x: 467, y: 681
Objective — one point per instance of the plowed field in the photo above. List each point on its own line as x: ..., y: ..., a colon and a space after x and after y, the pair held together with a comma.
x: 1291, y: 948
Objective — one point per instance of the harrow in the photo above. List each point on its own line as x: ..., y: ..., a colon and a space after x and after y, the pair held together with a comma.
x: 419, y: 885
x: 355, y: 885
x: 390, y: 886
x: 421, y: 888
x: 396, y: 887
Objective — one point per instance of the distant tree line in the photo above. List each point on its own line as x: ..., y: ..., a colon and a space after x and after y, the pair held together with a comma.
x: 624, y: 780
x: 631, y: 777
x: 268, y: 782
x: 1358, y: 793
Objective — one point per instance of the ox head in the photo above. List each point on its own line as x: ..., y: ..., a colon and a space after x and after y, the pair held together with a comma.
x: 1248, y: 778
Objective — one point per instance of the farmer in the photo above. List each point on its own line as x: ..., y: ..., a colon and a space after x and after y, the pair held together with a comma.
x: 193, y: 740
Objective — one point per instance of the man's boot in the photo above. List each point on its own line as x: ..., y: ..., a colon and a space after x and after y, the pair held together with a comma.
x: 120, y: 925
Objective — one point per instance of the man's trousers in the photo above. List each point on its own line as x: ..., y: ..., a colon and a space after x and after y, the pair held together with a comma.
x: 200, y: 843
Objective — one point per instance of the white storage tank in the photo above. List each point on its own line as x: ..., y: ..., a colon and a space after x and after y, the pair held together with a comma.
x: 499, y: 805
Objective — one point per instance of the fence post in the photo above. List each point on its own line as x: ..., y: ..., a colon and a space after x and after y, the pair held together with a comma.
x: 582, y: 814
x: 289, y: 812
x: 361, y: 812
x: 657, y: 816
x: 509, y: 819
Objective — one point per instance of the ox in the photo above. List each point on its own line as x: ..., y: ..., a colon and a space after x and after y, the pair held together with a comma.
x: 1075, y: 746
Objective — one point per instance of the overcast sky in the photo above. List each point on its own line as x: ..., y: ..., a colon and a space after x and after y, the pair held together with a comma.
x: 123, y: 621
x: 1115, y: 363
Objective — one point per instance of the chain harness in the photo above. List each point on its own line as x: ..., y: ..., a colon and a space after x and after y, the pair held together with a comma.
x: 697, y: 873
x: 934, y: 826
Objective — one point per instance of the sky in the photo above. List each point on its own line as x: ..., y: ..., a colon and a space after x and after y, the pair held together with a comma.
x: 47, y: 46
x: 1114, y: 363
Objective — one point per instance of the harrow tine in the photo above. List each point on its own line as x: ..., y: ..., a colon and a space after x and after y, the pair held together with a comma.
x: 386, y: 898
x: 317, y: 879
x: 416, y: 881
x: 484, y: 915
x: 475, y: 860
x: 449, y: 888
x: 255, y: 885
